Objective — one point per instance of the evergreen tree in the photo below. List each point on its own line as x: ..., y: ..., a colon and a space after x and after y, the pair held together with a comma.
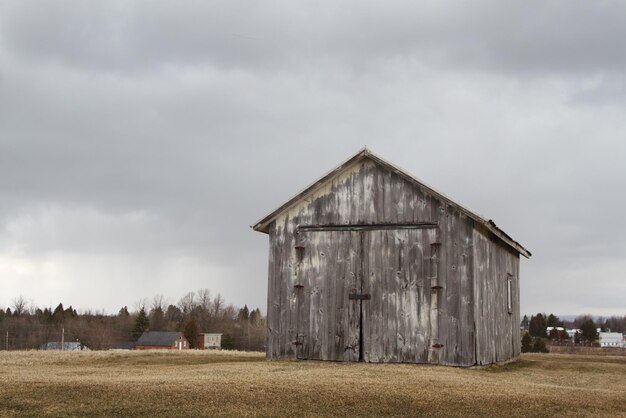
x: 228, y: 342
x: 46, y: 317
x: 525, y: 322
x: 70, y: 313
x: 589, y: 331
x: 157, y: 319
x: 537, y: 326
x: 255, y: 316
x: 141, y: 324
x: 58, y: 315
x: 244, y: 314
x: 191, y: 332
x: 527, y: 343
x: 540, y: 346
x: 553, y: 321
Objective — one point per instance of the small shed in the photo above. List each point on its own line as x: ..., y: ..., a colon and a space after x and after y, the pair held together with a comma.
x: 161, y: 340
x: 210, y: 341
x: 371, y: 264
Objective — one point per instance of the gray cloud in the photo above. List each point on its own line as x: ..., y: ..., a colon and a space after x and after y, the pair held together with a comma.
x: 138, y: 140
x: 518, y: 37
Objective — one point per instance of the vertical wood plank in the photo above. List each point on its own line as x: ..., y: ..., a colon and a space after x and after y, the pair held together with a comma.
x: 472, y: 322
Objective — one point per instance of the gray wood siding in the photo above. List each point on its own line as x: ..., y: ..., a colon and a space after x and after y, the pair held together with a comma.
x: 396, y: 320
x: 426, y: 305
x: 327, y: 321
x: 497, y: 330
x: 456, y: 307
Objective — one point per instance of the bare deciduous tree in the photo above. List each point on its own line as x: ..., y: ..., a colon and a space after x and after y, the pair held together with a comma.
x: 158, y: 302
x: 19, y: 305
x: 204, y: 298
x: 218, y: 303
x: 187, y: 302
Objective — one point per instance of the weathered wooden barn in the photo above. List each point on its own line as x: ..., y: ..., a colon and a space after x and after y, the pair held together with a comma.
x: 370, y: 264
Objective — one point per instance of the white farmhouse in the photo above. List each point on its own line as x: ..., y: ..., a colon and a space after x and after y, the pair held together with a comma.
x: 611, y: 339
x: 210, y: 341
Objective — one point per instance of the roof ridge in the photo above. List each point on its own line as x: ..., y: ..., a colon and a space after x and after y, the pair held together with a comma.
x: 262, y: 224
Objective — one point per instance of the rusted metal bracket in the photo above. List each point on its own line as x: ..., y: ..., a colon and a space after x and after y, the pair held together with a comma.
x: 356, y: 296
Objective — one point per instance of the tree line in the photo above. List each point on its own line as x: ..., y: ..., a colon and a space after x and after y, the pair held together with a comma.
x: 536, y: 327
x: 24, y: 326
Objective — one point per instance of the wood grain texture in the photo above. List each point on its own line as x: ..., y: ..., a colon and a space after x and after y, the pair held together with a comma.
x: 350, y: 245
x: 497, y: 330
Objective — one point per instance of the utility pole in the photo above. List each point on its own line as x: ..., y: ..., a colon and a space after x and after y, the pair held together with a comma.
x: 62, y: 338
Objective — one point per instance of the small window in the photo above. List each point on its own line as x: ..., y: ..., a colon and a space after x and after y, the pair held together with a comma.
x: 509, y: 295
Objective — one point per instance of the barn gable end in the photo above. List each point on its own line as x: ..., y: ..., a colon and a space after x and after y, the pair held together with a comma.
x: 370, y: 264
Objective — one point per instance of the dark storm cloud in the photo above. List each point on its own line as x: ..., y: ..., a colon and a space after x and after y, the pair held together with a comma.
x: 139, y: 140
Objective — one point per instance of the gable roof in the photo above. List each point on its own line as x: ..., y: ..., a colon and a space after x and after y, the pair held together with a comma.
x: 158, y: 338
x: 263, y: 224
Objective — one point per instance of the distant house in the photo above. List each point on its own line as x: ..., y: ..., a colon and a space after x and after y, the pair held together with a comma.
x: 611, y: 339
x: 210, y: 341
x: 559, y: 329
x: 571, y: 333
x: 66, y: 346
x: 157, y: 340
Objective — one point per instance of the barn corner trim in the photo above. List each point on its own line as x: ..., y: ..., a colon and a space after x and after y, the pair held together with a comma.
x: 263, y: 224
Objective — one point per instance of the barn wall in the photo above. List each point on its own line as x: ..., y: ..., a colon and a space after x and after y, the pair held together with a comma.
x: 497, y: 330
x: 456, y: 313
x: 366, y: 193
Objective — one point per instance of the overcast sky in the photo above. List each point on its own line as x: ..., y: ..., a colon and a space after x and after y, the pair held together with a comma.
x: 139, y: 140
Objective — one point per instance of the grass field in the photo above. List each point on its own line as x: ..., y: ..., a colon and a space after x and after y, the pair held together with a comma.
x: 243, y: 384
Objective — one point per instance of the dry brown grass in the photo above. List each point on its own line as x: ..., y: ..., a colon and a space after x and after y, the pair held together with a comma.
x: 243, y: 384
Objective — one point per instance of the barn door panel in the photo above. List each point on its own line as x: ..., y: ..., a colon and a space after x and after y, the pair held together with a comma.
x: 328, y: 323
x: 396, y: 319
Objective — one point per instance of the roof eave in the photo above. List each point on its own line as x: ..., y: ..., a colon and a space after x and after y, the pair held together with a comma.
x: 263, y: 224
x: 503, y: 236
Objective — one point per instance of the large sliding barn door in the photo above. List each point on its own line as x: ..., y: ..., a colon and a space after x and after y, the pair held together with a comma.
x: 328, y: 323
x: 396, y: 319
x: 365, y: 294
